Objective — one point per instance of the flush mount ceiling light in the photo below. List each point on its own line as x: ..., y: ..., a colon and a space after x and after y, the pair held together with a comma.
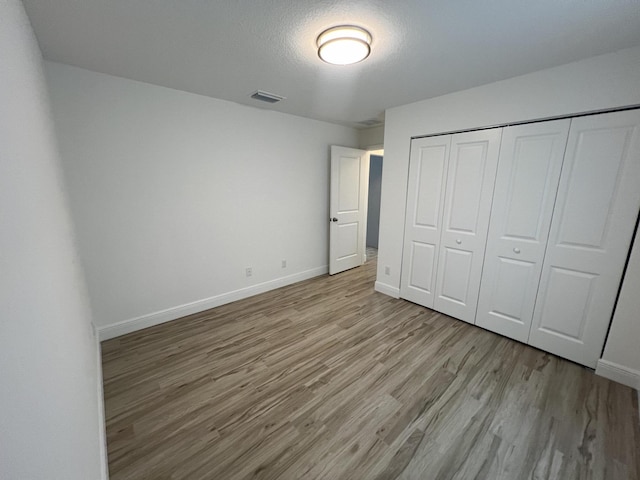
x: 344, y: 45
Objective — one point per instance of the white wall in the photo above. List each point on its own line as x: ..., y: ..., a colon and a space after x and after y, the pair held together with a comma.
x: 175, y: 194
x: 601, y: 82
x: 371, y: 138
x: 621, y: 358
x: 50, y: 408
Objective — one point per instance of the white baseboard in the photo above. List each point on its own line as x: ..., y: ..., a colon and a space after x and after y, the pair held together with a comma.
x: 131, y: 325
x: 387, y: 289
x: 618, y: 373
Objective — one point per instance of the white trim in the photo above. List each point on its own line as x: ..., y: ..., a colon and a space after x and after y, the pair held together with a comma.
x: 387, y: 289
x: 619, y: 373
x: 365, y: 204
x: 104, y: 463
x: 131, y: 325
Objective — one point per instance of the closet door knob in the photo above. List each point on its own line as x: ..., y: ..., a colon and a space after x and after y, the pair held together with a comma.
x: 516, y: 250
x: 458, y: 241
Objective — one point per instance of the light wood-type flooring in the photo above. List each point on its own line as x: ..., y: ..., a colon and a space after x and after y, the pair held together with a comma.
x: 327, y: 379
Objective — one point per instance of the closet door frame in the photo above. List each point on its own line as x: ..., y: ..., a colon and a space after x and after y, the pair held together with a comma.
x: 596, y: 339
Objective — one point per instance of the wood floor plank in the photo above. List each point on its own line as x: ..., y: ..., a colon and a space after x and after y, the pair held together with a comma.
x: 329, y: 379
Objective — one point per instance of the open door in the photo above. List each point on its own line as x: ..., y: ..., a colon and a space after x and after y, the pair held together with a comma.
x: 348, y: 208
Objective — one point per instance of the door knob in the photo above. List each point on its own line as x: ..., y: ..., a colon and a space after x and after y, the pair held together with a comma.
x: 516, y: 250
x: 458, y: 241
x: 334, y: 219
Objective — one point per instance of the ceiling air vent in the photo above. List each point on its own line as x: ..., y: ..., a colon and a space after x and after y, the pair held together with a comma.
x: 370, y: 123
x: 267, y: 97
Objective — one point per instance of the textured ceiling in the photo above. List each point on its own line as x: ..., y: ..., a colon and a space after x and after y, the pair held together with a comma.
x: 421, y: 48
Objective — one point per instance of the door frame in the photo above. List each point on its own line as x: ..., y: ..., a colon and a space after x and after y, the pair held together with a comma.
x: 379, y: 152
x: 364, y: 195
x: 337, y: 264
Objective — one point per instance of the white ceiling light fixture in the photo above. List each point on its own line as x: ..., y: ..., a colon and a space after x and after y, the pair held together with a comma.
x: 344, y: 45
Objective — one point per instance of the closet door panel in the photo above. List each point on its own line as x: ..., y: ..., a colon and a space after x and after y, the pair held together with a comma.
x: 469, y: 190
x: 593, y: 222
x: 456, y: 270
x: 425, y: 197
x: 526, y: 185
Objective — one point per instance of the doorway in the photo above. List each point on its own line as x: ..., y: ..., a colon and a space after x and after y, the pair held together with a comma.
x: 373, y: 204
x: 349, y: 207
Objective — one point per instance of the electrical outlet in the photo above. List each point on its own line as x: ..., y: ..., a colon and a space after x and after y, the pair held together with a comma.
x: 249, y: 271
x: 284, y: 264
x: 387, y: 270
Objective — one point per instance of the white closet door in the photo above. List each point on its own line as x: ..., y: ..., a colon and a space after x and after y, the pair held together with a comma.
x: 470, y: 179
x: 526, y: 185
x: 593, y: 222
x: 425, y: 197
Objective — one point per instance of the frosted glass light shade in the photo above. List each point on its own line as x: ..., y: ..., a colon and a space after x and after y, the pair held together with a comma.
x: 344, y: 45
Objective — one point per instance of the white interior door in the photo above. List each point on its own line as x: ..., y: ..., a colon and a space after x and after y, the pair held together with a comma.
x: 469, y: 190
x: 425, y: 199
x: 593, y: 222
x: 524, y: 195
x: 348, y: 208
